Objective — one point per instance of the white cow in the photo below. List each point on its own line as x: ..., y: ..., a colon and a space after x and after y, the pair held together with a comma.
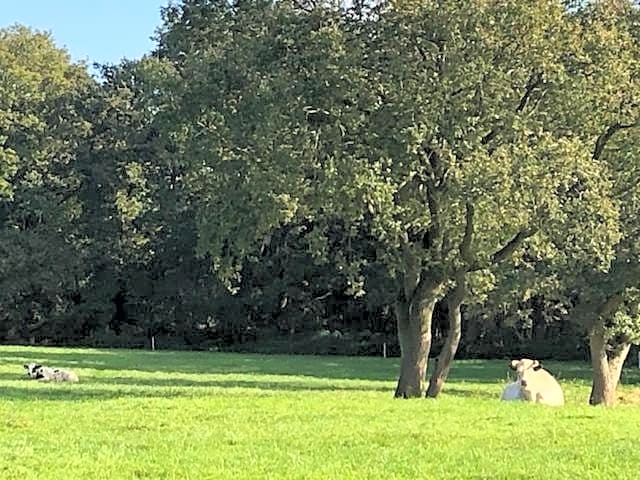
x: 535, y: 383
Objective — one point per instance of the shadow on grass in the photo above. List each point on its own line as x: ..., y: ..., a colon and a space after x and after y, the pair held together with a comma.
x: 470, y: 393
x: 193, y: 385
x: 157, y: 388
x: 78, y: 394
x: 66, y: 394
x: 13, y: 378
x: 208, y: 363
x: 327, y: 367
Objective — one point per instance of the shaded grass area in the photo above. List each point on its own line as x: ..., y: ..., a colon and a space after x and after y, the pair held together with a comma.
x: 196, y: 415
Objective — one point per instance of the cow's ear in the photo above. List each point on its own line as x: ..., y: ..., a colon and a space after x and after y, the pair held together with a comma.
x: 513, y: 364
x: 26, y: 366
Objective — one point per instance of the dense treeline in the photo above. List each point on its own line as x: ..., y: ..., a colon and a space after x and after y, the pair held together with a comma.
x: 423, y: 177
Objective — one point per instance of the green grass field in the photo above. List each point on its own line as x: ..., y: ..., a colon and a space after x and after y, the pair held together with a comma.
x: 177, y: 415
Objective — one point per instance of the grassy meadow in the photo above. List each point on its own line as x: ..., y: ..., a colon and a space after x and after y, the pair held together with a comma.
x: 197, y: 415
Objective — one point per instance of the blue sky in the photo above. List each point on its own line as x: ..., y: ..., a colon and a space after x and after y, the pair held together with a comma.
x: 102, y: 31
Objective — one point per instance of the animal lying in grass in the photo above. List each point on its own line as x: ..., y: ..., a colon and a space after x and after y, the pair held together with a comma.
x: 533, y: 384
x: 48, y: 374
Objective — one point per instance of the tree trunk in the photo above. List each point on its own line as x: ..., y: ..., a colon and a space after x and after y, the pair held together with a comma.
x: 607, y: 367
x: 444, y: 360
x: 414, y: 334
x: 451, y: 342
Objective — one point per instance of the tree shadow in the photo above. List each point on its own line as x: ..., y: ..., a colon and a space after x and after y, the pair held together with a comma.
x: 469, y: 393
x: 328, y: 367
x: 157, y: 388
x: 55, y: 393
x: 181, y: 383
x: 176, y: 388
x: 365, y: 368
x: 15, y: 376
x: 325, y: 367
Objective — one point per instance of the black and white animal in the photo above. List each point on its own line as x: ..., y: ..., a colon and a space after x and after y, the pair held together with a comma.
x: 533, y: 384
x: 48, y: 374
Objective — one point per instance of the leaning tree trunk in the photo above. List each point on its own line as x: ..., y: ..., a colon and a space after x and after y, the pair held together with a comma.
x: 414, y: 334
x: 451, y: 342
x: 607, y: 366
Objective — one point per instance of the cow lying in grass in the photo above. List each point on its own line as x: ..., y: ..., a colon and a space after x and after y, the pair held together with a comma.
x: 533, y: 384
x: 48, y: 374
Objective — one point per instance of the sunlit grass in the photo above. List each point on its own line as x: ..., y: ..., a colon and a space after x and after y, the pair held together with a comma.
x: 168, y: 415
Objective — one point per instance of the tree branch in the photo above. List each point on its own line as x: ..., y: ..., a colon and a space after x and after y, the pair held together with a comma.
x: 67, y: 195
x: 411, y: 276
x: 604, y: 138
x: 306, y: 5
x: 465, y: 246
x: 434, y: 213
x: 428, y: 285
x: 421, y: 53
x: 610, y: 306
x: 491, y: 135
x: 437, y: 171
x: 534, y: 82
x: 504, y: 252
x: 455, y: 296
x: 511, y: 246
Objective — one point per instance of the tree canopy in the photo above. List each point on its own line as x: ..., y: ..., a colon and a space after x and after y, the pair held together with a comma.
x: 454, y: 136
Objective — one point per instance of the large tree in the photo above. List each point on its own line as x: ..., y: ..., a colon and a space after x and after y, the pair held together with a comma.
x: 41, y: 125
x: 433, y: 125
x: 603, y: 108
x: 614, y: 320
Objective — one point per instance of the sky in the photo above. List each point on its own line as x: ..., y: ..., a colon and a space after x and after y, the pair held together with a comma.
x: 102, y: 31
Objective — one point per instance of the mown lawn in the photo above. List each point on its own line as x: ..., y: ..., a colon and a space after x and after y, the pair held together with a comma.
x: 176, y: 415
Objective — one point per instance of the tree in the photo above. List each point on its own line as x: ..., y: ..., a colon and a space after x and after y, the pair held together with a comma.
x: 605, y: 75
x: 431, y: 125
x: 139, y: 221
x: 42, y: 124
